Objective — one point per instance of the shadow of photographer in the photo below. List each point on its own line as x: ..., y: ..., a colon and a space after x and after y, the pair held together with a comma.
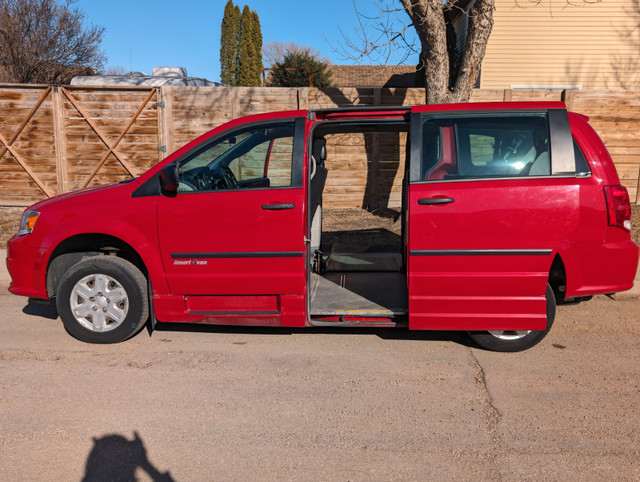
x: 114, y: 457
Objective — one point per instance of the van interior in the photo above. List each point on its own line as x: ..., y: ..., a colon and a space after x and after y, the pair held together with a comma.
x: 357, y: 272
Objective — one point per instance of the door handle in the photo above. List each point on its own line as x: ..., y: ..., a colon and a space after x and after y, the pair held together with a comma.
x: 278, y: 207
x: 435, y: 200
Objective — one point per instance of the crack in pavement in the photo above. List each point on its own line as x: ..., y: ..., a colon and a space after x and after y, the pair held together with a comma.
x: 491, y: 413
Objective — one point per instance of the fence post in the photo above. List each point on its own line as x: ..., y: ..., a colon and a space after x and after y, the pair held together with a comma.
x: 235, y: 102
x: 568, y: 97
x: 375, y: 158
x: 507, y: 96
x: 164, y: 97
x: 59, y: 133
x: 303, y: 98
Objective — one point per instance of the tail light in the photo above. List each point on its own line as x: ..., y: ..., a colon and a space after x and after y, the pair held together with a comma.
x: 618, y: 206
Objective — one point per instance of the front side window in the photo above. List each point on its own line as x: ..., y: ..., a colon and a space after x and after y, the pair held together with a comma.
x: 257, y: 157
x: 485, y: 147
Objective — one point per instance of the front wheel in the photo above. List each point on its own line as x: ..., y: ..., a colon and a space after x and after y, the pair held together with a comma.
x: 103, y: 299
x: 512, y: 341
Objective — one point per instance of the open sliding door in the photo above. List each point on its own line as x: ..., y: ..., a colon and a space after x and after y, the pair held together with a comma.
x: 489, y: 202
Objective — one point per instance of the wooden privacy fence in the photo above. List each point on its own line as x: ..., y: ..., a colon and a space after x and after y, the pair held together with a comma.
x: 58, y: 139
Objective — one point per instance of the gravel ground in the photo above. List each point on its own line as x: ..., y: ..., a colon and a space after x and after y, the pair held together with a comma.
x: 357, y: 230
x: 234, y: 403
x: 9, y: 222
x: 635, y: 224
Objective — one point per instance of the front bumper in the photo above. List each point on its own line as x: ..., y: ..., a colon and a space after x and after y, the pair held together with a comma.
x: 27, y: 268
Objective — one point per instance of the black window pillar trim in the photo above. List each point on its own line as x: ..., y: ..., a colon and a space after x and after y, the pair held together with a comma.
x: 561, y: 143
x: 298, y: 152
x: 415, y: 161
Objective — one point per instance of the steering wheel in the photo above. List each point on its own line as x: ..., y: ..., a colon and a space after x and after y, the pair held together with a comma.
x: 229, y: 178
x: 186, y: 186
x: 194, y: 180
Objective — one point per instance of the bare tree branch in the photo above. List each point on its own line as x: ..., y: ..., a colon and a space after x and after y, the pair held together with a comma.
x: 274, y: 51
x: 376, y: 37
x: 45, y: 41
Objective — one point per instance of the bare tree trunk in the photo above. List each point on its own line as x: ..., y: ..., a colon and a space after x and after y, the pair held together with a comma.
x: 480, y: 25
x: 428, y: 19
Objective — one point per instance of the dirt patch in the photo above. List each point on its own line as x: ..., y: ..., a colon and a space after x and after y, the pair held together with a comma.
x: 357, y: 230
x: 635, y: 224
x: 9, y: 222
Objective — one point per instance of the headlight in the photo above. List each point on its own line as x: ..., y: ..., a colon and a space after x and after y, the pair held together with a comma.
x: 28, y: 222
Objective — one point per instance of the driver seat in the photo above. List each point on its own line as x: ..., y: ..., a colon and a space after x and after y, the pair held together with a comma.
x: 317, y: 179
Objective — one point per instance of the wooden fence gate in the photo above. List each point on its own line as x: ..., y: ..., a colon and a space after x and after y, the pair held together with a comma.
x: 58, y: 139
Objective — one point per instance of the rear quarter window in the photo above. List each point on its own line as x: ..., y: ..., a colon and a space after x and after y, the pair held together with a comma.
x: 582, y: 166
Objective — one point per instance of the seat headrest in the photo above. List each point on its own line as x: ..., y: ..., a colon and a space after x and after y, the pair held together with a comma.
x: 319, y: 149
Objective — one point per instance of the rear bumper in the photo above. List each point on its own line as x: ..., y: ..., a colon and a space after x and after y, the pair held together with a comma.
x: 26, y: 268
x: 596, y: 268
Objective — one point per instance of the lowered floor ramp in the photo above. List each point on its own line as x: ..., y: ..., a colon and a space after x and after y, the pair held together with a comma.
x: 359, y: 294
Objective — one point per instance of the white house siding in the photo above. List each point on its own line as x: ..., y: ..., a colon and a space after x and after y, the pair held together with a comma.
x: 555, y: 43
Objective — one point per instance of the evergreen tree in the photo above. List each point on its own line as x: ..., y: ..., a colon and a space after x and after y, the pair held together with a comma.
x: 246, y: 50
x: 257, y: 45
x: 229, y: 44
x: 250, y: 63
x: 303, y: 62
x: 240, y: 47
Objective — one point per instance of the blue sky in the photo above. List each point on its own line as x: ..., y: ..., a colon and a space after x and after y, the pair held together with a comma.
x: 142, y: 34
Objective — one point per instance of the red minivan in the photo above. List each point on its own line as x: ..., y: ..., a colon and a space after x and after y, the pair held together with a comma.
x: 507, y: 208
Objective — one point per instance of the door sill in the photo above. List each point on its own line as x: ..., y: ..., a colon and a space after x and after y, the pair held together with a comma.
x: 352, y: 321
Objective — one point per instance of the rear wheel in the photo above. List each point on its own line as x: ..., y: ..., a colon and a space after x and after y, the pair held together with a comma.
x: 103, y: 299
x: 512, y: 341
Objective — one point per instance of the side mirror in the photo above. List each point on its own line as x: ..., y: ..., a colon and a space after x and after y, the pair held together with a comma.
x: 169, y: 179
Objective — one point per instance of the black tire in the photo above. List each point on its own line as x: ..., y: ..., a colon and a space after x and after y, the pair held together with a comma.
x: 109, y: 296
x: 510, y: 341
